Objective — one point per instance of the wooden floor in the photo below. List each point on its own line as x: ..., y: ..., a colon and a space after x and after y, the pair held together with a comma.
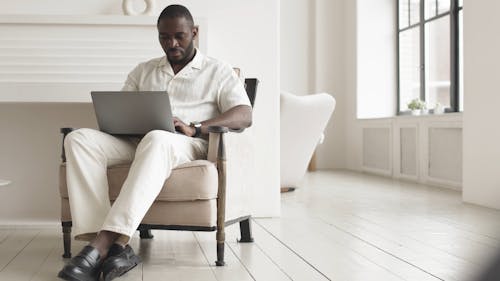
x: 337, y: 226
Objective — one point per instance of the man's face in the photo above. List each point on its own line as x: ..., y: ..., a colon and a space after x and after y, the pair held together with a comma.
x: 176, y: 37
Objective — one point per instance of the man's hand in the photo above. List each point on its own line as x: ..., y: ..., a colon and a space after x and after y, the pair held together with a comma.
x: 238, y: 117
x: 183, y: 127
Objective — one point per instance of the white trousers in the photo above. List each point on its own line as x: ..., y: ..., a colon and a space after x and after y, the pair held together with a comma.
x: 88, y: 154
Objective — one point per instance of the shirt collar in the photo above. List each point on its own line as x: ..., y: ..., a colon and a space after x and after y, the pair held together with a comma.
x: 196, y: 63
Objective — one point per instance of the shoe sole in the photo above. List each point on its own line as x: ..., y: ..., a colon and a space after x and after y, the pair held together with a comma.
x: 117, y: 272
x: 63, y: 275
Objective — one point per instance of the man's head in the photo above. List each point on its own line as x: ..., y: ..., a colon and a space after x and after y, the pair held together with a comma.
x: 176, y: 32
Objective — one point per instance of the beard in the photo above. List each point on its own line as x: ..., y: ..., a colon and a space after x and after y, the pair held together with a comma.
x: 180, y: 55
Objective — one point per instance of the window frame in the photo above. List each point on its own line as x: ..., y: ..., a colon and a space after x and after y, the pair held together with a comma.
x: 454, y: 51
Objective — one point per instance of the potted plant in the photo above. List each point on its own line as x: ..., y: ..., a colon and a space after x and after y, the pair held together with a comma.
x: 416, y: 106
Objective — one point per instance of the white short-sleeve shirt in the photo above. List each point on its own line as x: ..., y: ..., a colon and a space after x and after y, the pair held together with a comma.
x: 202, y: 90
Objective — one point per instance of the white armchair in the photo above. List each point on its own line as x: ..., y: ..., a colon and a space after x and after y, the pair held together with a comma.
x: 303, y: 120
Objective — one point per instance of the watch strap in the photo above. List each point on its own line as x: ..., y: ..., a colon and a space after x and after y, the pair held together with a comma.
x: 197, y: 128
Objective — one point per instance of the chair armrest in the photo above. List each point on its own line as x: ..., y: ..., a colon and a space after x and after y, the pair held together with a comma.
x: 233, y: 153
x: 215, y: 135
x: 65, y: 131
x: 218, y: 129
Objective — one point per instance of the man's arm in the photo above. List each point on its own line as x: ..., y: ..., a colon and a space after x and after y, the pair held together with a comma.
x: 238, y: 117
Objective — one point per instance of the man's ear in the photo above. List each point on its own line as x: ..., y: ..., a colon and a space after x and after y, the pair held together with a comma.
x: 194, y: 30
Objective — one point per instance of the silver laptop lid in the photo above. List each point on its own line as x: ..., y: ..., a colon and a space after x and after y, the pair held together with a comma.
x: 133, y: 113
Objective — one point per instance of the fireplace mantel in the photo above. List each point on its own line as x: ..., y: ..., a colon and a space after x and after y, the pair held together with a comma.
x: 61, y: 58
x: 78, y: 20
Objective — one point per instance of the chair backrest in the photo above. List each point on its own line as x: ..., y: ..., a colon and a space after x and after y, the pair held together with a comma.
x: 251, y: 88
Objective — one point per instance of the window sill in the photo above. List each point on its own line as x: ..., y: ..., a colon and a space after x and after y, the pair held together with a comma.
x: 429, y: 116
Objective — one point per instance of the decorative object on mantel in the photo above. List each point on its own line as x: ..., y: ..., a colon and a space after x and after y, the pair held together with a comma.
x: 417, y: 106
x: 129, y: 10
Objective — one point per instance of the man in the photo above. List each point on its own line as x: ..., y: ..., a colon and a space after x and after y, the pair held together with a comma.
x: 203, y: 92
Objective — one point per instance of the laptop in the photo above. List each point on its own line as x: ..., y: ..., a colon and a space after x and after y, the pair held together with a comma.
x: 132, y: 113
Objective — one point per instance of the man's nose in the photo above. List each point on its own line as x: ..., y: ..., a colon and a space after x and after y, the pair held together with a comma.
x: 172, y: 43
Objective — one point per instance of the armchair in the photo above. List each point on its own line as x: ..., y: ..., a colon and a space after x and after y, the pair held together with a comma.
x: 308, y: 115
x: 202, y: 195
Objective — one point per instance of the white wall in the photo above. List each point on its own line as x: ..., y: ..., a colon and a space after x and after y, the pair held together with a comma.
x: 376, y: 63
x: 481, y: 149
x: 244, y: 33
x: 297, y: 46
x: 353, y: 136
x: 30, y: 149
x: 312, y: 49
x: 330, y: 78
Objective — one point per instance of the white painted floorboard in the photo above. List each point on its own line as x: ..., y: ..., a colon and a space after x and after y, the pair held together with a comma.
x: 336, y: 226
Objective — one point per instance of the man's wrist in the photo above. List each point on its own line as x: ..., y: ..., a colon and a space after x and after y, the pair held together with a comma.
x: 197, y: 128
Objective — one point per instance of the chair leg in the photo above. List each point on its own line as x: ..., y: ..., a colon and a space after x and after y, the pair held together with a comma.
x: 246, y: 231
x: 287, y: 189
x: 66, y: 229
x: 220, y: 254
x: 145, y: 234
x: 221, y: 239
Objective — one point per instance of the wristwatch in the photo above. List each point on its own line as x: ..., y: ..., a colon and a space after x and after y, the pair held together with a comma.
x: 197, y: 126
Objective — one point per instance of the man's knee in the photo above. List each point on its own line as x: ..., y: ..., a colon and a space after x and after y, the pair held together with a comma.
x: 158, y: 136
x: 158, y: 139
x: 77, y: 136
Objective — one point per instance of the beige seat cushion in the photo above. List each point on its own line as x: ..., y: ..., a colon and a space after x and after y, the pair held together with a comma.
x: 196, y: 180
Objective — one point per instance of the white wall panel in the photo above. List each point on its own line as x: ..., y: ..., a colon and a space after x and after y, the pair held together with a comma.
x: 377, y: 148
x: 408, y: 149
x: 425, y: 149
x: 71, y: 56
x: 445, y: 154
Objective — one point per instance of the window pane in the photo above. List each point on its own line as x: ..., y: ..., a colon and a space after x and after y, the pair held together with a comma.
x: 409, y: 70
x: 437, y: 62
x: 414, y: 11
x: 436, y: 7
x: 443, y: 6
x: 461, y: 59
x: 403, y: 13
x: 460, y: 3
x: 430, y: 8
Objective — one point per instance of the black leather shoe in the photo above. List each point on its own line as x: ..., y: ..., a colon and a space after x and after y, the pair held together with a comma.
x: 83, y: 267
x: 119, y: 261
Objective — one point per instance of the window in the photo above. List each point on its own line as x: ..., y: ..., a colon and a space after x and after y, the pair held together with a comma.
x: 430, y: 53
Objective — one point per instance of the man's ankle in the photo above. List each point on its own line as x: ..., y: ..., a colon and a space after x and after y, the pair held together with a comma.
x: 103, y: 242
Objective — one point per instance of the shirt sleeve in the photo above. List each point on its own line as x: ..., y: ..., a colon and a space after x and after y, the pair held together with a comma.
x: 232, y: 91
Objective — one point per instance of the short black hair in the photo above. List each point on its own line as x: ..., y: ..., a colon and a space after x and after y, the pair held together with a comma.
x: 176, y: 11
